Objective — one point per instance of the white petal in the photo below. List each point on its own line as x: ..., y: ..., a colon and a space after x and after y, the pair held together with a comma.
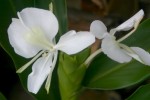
x: 111, y: 48
x: 72, y: 43
x: 16, y: 34
x: 40, y: 20
x: 130, y: 52
x: 129, y: 24
x: 48, y: 81
x: 68, y: 34
x: 145, y: 56
x: 98, y: 29
x: 40, y: 70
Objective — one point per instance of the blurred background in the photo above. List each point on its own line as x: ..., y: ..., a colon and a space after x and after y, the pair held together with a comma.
x: 80, y: 14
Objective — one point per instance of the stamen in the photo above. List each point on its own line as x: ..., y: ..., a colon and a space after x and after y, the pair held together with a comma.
x: 20, y: 70
x: 130, y: 33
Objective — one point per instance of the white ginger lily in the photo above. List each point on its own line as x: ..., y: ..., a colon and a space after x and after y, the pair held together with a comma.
x: 33, y: 35
x: 113, y: 48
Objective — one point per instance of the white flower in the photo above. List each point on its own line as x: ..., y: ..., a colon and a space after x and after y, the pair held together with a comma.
x: 114, y: 49
x: 33, y: 35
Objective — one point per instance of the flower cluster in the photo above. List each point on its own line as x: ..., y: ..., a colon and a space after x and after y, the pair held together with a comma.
x: 32, y: 35
x: 116, y: 50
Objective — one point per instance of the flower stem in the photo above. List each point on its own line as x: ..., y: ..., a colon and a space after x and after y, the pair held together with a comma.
x: 90, y: 58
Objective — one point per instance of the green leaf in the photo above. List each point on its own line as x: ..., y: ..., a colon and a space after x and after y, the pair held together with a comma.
x: 8, y: 10
x: 2, y: 97
x: 142, y: 93
x: 71, y: 72
x: 107, y: 74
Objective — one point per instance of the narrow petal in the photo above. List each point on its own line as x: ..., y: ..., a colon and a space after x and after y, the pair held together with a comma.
x: 20, y: 70
x: 130, y: 52
x: 48, y: 81
x: 17, y: 39
x: 111, y: 48
x: 72, y: 43
x: 40, y: 70
x: 145, y: 56
x: 39, y: 20
x: 98, y: 29
x: 129, y: 24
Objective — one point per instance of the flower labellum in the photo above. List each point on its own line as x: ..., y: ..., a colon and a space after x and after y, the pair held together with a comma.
x: 113, y: 48
x: 33, y: 35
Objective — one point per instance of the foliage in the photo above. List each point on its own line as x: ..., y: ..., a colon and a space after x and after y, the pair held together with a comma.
x: 71, y: 74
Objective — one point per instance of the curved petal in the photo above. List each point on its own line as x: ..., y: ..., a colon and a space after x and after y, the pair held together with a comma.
x: 72, y: 42
x: 145, y: 56
x: 39, y: 20
x: 98, y: 29
x: 129, y: 24
x: 68, y: 34
x: 111, y: 48
x: 16, y: 35
x: 40, y: 70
